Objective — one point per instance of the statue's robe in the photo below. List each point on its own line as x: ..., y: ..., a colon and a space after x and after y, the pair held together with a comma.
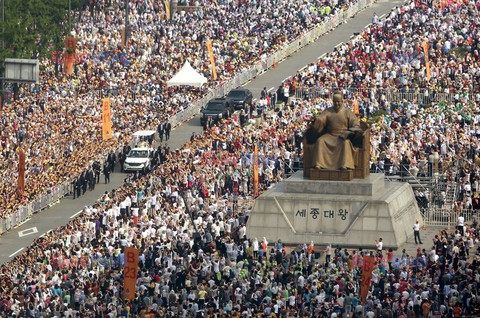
x: 331, y: 151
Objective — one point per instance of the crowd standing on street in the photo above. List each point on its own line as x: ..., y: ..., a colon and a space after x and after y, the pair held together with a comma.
x: 58, y: 122
x: 187, y: 215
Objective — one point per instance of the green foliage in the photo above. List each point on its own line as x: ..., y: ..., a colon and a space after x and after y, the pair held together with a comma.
x: 35, y: 28
x: 460, y: 51
x: 376, y: 116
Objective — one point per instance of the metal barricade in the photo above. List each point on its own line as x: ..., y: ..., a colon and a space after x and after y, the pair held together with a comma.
x: 2, y: 226
x: 391, y: 95
x: 448, y: 217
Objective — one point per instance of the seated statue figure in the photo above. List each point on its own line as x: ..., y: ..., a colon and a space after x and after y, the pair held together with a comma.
x: 332, y: 132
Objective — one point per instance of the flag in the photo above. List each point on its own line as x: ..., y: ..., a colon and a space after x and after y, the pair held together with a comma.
x: 366, y: 277
x: 355, y: 107
x: 21, y: 171
x: 106, y: 122
x: 124, y: 37
x: 130, y: 273
x: 212, y: 59
x: 167, y: 9
x: 427, y: 62
x: 255, y: 171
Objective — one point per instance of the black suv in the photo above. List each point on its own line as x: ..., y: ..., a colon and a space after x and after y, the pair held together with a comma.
x: 217, y: 108
x: 240, y: 97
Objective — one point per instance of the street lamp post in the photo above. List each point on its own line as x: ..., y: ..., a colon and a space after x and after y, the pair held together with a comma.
x: 69, y: 16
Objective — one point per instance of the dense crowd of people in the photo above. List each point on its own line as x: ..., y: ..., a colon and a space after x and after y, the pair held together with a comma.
x: 188, y: 220
x: 58, y: 123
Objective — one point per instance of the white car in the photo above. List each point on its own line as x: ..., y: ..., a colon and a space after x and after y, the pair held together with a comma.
x: 137, y: 159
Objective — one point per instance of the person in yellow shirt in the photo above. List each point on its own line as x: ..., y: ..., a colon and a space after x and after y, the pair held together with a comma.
x: 202, y: 294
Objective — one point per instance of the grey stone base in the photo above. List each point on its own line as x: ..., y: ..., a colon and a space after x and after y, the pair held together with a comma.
x: 344, y: 213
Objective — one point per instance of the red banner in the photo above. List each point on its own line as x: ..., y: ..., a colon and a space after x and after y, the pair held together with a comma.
x: 71, y: 43
x: 255, y: 171
x: 368, y: 264
x: 21, y: 171
x: 130, y: 272
x: 68, y: 60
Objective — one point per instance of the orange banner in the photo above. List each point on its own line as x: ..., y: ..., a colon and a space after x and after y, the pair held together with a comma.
x: 355, y: 107
x: 427, y: 62
x: 124, y: 37
x: 21, y: 171
x: 212, y: 59
x: 130, y: 272
x: 368, y: 263
x: 255, y: 171
x: 427, y: 66
x: 167, y: 9
x: 106, y: 122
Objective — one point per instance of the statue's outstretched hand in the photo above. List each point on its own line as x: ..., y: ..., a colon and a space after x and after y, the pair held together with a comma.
x: 356, y: 130
x: 345, y: 135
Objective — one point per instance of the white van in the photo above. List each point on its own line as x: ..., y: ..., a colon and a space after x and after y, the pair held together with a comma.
x: 138, y: 158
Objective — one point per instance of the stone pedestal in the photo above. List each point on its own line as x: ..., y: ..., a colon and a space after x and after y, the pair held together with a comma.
x: 344, y: 213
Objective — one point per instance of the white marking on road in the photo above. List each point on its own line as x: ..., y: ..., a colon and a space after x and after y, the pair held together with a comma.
x: 46, y: 233
x: 368, y: 25
x: 246, y: 83
x: 26, y: 232
x: 76, y: 214
x: 303, y: 68
x: 339, y: 44
x: 270, y: 89
x: 381, y: 17
x: 22, y: 223
x: 11, y: 255
x: 254, y: 100
x: 286, y: 78
x: 321, y: 56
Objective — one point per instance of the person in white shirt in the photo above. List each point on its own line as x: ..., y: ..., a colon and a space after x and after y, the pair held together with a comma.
x: 379, y: 245
x: 416, y: 233
x: 460, y: 224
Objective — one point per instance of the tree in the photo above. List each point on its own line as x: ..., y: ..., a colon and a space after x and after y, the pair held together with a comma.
x: 34, y: 28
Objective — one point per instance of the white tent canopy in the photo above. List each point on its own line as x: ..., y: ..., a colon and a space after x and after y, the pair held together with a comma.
x: 187, y: 76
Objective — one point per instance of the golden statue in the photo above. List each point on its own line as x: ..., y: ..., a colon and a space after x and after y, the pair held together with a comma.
x: 334, y: 140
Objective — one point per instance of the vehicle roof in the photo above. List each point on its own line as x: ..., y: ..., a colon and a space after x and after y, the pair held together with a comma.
x: 218, y: 100
x: 141, y: 149
x: 240, y: 89
x: 144, y: 133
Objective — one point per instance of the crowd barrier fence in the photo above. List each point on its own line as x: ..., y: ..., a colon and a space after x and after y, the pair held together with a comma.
x: 26, y: 211
x: 54, y: 194
x: 422, y: 95
x: 448, y: 218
